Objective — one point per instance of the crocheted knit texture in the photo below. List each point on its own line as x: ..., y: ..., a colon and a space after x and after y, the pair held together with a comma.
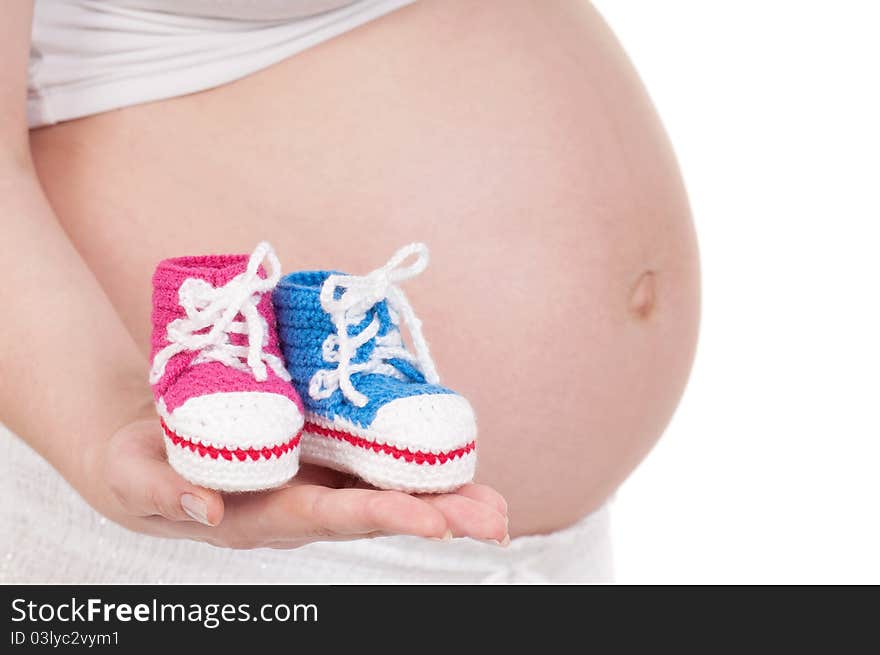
x: 370, y: 408
x: 232, y: 421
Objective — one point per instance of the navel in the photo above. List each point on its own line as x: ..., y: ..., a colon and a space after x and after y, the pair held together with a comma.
x: 643, y: 298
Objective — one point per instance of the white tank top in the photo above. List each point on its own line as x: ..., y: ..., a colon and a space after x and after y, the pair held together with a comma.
x: 90, y: 56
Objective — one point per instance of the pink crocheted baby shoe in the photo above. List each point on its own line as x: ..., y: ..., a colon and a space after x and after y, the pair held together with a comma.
x: 232, y: 420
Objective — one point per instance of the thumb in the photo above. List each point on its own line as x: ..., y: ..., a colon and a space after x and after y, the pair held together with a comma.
x: 148, y: 486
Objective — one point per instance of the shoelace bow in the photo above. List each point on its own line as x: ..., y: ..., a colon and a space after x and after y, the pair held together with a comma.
x: 359, y: 295
x: 216, y: 307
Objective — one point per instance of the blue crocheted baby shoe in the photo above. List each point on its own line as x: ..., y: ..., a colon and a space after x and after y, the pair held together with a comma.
x: 372, y: 408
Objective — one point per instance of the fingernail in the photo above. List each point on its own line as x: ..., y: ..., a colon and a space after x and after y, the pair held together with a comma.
x: 447, y: 536
x: 504, y: 543
x: 195, y: 508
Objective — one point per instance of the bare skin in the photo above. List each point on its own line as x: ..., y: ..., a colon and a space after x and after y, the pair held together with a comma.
x: 73, y: 387
x: 515, y: 139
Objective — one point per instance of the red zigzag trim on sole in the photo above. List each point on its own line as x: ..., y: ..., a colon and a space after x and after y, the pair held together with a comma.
x: 241, y: 454
x: 417, y: 457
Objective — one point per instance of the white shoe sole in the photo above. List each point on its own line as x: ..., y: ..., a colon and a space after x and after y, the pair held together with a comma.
x: 227, y: 469
x: 386, y: 466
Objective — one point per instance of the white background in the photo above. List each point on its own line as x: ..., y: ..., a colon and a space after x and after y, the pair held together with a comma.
x: 769, y: 471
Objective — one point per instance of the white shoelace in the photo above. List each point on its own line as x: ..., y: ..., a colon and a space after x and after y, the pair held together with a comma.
x: 359, y: 295
x: 216, y: 307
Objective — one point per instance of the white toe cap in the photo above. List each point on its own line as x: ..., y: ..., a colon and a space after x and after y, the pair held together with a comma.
x: 241, y: 419
x: 427, y: 423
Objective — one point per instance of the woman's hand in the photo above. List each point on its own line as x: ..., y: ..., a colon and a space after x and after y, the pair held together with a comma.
x: 129, y: 480
x: 72, y: 375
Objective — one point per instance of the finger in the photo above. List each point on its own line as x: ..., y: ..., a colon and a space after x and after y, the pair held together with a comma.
x: 146, y: 486
x: 470, y: 518
x: 321, y: 476
x: 484, y: 494
x: 353, y: 512
x: 304, y: 513
x: 294, y: 516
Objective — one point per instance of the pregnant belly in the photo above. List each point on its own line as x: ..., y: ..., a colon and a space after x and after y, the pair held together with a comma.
x: 562, y: 297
